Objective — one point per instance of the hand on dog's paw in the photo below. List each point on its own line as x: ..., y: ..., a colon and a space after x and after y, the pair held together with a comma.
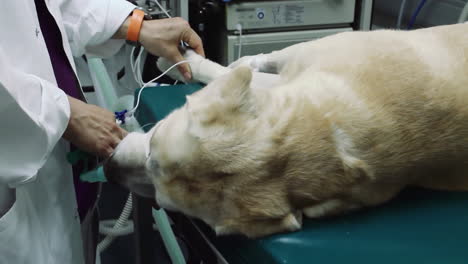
x: 164, y: 64
x: 254, y: 62
x: 192, y: 56
x: 193, y: 59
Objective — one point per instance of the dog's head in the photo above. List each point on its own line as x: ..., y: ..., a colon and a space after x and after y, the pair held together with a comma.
x: 206, y: 160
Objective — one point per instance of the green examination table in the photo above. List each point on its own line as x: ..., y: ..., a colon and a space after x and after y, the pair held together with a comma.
x: 419, y: 226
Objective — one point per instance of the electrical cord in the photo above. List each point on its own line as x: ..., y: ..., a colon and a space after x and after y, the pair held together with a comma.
x: 136, y: 65
x: 148, y: 124
x: 401, y: 13
x: 416, y: 13
x: 131, y: 112
x: 239, y: 28
x: 162, y: 8
x: 464, y: 14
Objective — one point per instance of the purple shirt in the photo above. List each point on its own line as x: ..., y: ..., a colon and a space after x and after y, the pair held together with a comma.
x: 86, y: 193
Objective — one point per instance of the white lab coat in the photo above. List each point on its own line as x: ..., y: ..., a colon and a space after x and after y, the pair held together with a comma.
x: 42, y: 225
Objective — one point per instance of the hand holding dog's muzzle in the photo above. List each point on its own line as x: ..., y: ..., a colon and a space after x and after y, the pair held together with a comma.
x: 126, y: 166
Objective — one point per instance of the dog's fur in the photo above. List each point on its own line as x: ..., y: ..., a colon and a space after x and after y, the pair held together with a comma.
x: 352, y: 120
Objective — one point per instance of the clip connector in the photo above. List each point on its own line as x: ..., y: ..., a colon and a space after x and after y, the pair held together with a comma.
x: 120, y: 116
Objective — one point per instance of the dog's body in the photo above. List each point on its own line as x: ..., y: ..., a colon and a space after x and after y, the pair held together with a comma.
x: 352, y: 120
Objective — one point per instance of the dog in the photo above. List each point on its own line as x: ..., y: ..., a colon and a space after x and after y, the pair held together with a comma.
x: 319, y: 128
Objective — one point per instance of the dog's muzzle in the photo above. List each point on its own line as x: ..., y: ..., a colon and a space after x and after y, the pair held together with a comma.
x: 127, y: 165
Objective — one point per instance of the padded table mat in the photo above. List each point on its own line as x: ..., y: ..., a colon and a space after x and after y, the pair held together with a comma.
x: 419, y: 226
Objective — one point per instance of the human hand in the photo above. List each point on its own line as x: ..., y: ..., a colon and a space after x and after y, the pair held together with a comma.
x: 194, y: 61
x: 162, y: 38
x: 92, y: 129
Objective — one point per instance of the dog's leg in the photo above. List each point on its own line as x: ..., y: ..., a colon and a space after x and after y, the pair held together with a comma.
x: 273, y: 62
x: 260, y: 227
x: 203, y: 70
x: 330, y: 207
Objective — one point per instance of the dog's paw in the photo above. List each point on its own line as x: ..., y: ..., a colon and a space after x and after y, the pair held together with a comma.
x: 164, y: 64
x: 329, y: 208
x: 256, y: 62
x: 293, y: 222
x: 323, y: 209
x: 194, y: 61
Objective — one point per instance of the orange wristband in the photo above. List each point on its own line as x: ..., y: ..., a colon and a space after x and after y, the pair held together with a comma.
x: 135, y: 25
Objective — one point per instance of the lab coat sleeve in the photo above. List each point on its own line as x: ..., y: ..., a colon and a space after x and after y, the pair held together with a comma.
x: 90, y: 25
x: 34, y: 113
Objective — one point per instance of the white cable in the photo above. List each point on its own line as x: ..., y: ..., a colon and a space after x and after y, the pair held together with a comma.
x: 123, y: 218
x: 239, y: 28
x: 149, y: 124
x: 133, y: 65
x: 146, y: 85
x: 131, y: 62
x: 464, y: 14
x: 167, y: 14
x: 162, y: 8
x: 138, y: 66
x: 401, y: 13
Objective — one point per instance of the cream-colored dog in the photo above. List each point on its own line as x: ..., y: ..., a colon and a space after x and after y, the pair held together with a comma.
x: 350, y: 120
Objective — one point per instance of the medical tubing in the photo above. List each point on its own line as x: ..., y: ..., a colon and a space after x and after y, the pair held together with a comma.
x: 168, y: 237
x: 106, y: 227
x: 415, y: 14
x: 131, y: 112
x: 400, y: 14
x: 119, y: 224
x: 104, y: 91
x: 464, y: 14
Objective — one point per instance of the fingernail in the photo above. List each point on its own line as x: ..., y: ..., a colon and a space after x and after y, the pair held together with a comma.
x: 187, y: 76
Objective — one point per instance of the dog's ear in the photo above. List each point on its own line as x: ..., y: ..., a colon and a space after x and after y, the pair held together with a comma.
x: 232, y: 90
x: 353, y: 166
x: 236, y: 90
x: 221, y: 101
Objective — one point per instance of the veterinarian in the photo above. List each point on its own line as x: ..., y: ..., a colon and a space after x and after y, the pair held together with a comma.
x: 43, y: 110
